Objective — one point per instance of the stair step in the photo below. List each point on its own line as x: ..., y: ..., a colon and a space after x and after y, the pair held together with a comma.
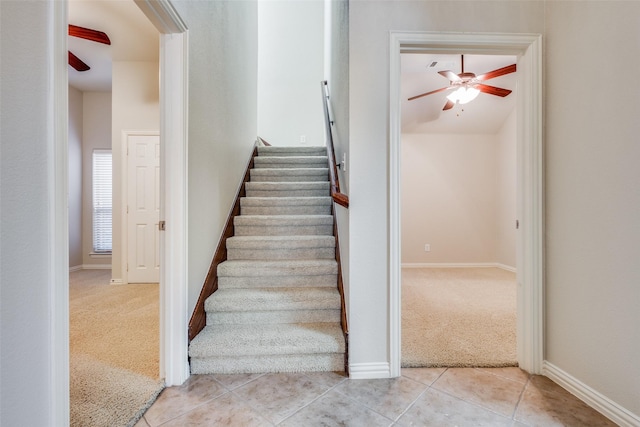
x: 285, y: 205
x: 278, y: 273
x: 265, y: 348
x: 292, y: 151
x: 290, y: 162
x: 325, y: 362
x: 289, y: 175
x: 273, y: 305
x: 280, y: 247
x: 283, y: 225
x: 287, y: 189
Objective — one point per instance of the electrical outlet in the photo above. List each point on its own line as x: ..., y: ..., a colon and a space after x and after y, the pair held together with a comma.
x: 303, y: 139
x: 427, y: 247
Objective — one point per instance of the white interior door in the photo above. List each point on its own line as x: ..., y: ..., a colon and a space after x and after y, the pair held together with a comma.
x: 143, y: 208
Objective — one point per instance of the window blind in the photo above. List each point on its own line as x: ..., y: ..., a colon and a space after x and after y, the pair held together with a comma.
x: 102, y: 201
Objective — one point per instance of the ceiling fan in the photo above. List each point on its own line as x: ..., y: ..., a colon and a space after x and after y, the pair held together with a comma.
x: 88, y: 34
x: 467, y: 85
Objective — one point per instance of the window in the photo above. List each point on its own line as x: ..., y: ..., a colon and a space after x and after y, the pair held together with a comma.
x: 102, y: 201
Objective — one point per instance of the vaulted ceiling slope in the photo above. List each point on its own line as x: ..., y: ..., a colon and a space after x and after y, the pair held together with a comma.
x: 133, y: 38
x: 484, y: 115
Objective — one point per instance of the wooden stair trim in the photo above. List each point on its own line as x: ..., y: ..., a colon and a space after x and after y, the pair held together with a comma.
x: 343, y: 306
x: 199, y: 317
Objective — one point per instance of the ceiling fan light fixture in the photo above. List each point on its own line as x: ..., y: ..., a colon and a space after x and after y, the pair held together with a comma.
x: 463, y: 95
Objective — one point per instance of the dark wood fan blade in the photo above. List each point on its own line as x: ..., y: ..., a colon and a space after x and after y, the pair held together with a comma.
x: 77, y: 63
x: 89, y: 34
x: 498, y: 91
x: 449, y: 105
x: 429, y: 93
x: 497, y: 73
x: 450, y: 75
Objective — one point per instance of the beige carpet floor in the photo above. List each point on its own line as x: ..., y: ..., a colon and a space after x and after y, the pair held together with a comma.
x: 458, y: 317
x: 114, y: 349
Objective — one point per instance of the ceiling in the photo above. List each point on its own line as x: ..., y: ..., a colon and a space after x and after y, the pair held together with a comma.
x: 133, y: 38
x: 483, y: 115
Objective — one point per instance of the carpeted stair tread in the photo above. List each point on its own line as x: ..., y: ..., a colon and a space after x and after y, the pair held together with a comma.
x: 289, y: 174
x: 269, y: 299
x: 290, y: 162
x: 285, y: 205
x: 280, y: 247
x: 283, y: 225
x: 269, y: 339
x: 292, y: 151
x: 287, y: 189
x: 264, y: 268
x: 324, y: 362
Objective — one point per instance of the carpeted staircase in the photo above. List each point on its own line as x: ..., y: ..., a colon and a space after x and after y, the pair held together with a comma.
x: 277, y: 307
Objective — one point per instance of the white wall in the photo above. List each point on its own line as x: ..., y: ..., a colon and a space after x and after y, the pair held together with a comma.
x: 26, y: 166
x: 458, y: 196
x: 290, y: 68
x: 506, y: 197
x: 96, y: 135
x: 223, y: 42
x: 449, y: 198
x: 591, y: 177
x: 336, y: 73
x: 592, y: 198
x: 75, y: 177
x: 135, y: 106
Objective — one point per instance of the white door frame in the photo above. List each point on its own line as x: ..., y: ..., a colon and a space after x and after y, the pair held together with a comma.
x: 529, y: 250
x: 174, y: 67
x: 173, y: 142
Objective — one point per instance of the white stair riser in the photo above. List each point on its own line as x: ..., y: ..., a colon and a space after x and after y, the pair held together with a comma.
x: 329, y: 362
x: 276, y: 316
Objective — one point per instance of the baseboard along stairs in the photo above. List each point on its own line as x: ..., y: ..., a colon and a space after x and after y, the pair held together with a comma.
x: 277, y: 307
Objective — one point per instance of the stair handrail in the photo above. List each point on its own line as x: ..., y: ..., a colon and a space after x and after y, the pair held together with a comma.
x: 337, y: 196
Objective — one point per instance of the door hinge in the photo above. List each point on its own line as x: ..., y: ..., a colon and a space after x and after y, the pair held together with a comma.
x: 161, y: 225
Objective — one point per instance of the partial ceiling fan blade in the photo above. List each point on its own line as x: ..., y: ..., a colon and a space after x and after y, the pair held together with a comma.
x: 77, y: 63
x: 449, y: 105
x: 492, y: 90
x: 429, y: 93
x: 497, y: 73
x: 89, y: 34
x: 453, y: 77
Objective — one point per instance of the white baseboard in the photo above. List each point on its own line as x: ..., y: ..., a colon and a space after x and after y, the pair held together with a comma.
x: 459, y: 265
x: 366, y: 371
x: 117, y: 282
x: 75, y: 268
x: 591, y: 397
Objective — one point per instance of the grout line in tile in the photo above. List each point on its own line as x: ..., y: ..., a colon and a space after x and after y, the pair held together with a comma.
x: 365, y: 406
x: 471, y: 402
x: 515, y: 409
x: 190, y: 410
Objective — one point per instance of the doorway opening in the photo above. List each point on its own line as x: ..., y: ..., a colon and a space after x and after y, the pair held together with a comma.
x: 458, y: 211
x: 529, y: 238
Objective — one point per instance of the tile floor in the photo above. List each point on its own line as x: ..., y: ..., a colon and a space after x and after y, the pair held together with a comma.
x: 420, y: 397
